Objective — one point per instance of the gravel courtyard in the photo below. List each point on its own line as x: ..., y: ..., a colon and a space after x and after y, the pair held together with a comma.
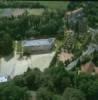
x: 14, y: 66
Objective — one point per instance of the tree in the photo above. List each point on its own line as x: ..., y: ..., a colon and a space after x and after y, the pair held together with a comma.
x: 6, y: 44
x: 19, y: 81
x: 73, y: 5
x: 89, y: 85
x: 44, y: 94
x: 32, y: 79
x: 26, y: 26
x: 90, y: 10
x: 10, y: 91
x: 93, y: 91
x: 95, y: 58
x: 56, y: 79
x: 73, y: 94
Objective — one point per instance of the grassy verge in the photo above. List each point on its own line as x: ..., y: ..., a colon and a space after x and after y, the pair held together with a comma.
x: 17, y: 46
x: 59, y: 43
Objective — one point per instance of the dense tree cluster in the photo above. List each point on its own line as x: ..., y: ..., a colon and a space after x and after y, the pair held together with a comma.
x: 6, y: 44
x: 73, y: 94
x: 21, y: 4
x: 89, y: 85
x: 90, y: 9
x: 55, y: 83
x: 77, y: 43
x: 25, y: 26
x: 9, y: 91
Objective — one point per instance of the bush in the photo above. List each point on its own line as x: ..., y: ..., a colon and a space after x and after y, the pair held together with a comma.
x: 30, y: 79
x: 73, y: 94
x: 44, y: 94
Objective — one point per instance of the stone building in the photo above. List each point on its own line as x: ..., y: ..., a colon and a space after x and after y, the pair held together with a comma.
x: 76, y: 20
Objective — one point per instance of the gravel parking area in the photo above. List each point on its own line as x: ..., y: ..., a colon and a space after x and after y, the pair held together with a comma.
x: 15, y: 66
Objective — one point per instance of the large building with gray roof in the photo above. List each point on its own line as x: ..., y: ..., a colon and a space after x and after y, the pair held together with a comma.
x: 38, y: 45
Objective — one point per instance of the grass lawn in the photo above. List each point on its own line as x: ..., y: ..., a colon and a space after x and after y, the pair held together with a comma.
x: 59, y: 43
x: 52, y: 5
x: 55, y: 4
x: 17, y: 11
x: 49, y: 4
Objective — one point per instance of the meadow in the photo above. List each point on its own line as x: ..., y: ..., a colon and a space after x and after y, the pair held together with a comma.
x: 19, y: 11
x: 51, y: 5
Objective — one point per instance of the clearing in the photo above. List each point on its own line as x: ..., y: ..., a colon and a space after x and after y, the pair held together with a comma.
x: 16, y: 66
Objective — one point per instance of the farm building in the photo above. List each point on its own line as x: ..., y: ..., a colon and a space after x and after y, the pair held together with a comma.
x: 39, y: 45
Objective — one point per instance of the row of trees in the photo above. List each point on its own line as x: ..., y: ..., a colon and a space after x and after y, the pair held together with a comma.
x: 90, y: 9
x: 21, y: 4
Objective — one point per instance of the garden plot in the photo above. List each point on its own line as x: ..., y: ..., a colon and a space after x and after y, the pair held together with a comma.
x: 15, y: 66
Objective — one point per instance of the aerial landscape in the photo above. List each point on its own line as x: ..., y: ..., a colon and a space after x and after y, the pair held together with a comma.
x: 48, y: 50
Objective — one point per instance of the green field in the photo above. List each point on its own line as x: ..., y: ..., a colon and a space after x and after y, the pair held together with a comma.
x: 49, y: 4
x: 55, y: 4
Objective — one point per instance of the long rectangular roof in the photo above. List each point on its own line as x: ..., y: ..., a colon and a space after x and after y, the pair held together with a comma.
x: 37, y: 42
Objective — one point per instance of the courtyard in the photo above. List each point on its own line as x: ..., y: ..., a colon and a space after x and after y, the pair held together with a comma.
x: 16, y: 66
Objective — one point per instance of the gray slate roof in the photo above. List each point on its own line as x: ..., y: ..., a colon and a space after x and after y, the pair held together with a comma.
x: 38, y: 42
